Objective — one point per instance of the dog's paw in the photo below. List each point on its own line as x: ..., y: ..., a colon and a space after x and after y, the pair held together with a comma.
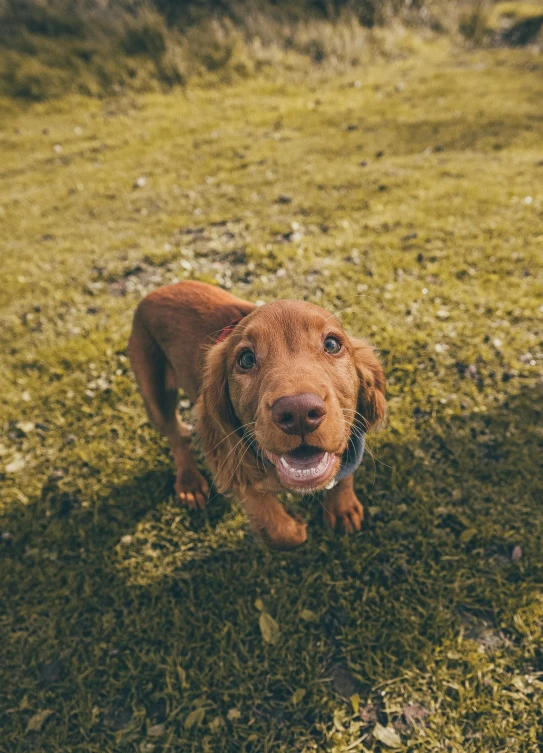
x: 345, y: 513
x: 191, y: 488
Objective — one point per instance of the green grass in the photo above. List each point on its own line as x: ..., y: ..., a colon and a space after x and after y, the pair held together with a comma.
x: 408, y: 198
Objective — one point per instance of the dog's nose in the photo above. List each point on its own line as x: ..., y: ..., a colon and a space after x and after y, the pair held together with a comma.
x: 299, y: 414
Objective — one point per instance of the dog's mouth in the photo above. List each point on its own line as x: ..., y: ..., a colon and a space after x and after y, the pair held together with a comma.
x: 305, y: 467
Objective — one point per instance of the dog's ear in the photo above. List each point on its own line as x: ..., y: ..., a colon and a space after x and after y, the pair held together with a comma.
x: 372, y: 403
x: 216, y: 418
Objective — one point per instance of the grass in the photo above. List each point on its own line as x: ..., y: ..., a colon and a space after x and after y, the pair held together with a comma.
x: 405, y: 196
x: 99, y: 48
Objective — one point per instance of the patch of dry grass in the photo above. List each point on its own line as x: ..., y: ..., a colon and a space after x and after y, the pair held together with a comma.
x: 100, y: 47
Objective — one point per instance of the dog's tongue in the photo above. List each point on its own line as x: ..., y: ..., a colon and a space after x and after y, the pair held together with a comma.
x: 304, y: 466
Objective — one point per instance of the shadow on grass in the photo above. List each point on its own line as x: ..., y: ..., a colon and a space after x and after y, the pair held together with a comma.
x: 114, y: 638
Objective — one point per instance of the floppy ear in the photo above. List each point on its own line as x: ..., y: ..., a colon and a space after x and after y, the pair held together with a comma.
x: 371, y: 390
x: 216, y: 420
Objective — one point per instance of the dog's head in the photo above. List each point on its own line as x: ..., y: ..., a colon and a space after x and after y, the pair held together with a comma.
x: 286, y: 392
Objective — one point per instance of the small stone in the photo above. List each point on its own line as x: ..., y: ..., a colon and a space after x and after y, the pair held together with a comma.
x: 51, y: 672
x: 16, y: 465
x: 140, y: 182
x: 26, y: 426
x: 517, y: 553
x: 414, y: 713
x: 127, y: 539
x: 368, y: 714
x: 57, y: 148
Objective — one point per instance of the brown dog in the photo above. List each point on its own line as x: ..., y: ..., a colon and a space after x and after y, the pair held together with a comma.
x: 283, y: 399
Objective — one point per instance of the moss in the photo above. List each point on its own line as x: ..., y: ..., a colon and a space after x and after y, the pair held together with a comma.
x: 405, y: 197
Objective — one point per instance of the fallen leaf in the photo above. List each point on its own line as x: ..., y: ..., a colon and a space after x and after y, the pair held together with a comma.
x: 195, y: 718
x: 35, y: 723
x: 269, y: 628
x: 387, y: 735
x: 297, y: 696
x: 233, y: 714
x: 158, y: 729
x: 467, y: 535
x: 308, y: 616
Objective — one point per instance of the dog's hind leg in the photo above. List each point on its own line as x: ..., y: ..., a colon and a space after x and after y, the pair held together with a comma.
x: 158, y: 387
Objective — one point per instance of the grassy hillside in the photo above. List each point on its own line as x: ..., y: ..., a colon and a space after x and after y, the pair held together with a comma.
x: 106, y: 47
x: 406, y: 197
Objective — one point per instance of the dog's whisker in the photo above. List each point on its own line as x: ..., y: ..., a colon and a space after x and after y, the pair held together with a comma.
x: 358, y: 416
x: 242, y: 456
x: 249, y: 423
x: 370, y: 453
x: 376, y: 459
x: 233, y: 450
x: 252, y: 437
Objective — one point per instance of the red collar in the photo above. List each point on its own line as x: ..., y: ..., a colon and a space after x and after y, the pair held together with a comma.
x: 227, y: 330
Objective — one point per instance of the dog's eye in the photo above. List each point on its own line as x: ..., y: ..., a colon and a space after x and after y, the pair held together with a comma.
x: 332, y: 345
x: 246, y: 360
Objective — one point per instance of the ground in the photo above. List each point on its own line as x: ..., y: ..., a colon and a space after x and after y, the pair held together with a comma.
x: 406, y: 196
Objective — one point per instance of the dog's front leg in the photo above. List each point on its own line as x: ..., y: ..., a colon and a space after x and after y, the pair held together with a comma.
x: 342, y: 510
x: 190, y: 486
x: 270, y: 521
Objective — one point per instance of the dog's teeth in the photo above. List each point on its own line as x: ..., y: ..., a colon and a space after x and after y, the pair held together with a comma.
x: 284, y: 463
